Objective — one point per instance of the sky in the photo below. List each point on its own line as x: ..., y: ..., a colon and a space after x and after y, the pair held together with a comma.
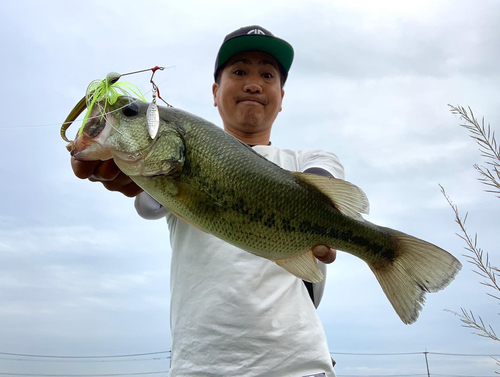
x: 81, y: 274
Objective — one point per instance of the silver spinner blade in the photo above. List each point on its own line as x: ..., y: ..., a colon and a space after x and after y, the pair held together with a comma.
x: 153, y: 119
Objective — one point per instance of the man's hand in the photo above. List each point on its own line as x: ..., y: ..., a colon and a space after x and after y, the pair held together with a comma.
x: 324, y: 253
x: 108, y: 174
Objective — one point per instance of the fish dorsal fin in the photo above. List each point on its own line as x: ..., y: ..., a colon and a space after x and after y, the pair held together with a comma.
x: 346, y: 197
x: 304, y: 266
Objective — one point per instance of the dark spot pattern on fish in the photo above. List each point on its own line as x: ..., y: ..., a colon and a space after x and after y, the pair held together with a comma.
x: 287, y: 226
x: 240, y: 206
x: 269, y: 220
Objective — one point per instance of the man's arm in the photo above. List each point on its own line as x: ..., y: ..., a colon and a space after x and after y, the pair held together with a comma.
x: 148, y: 208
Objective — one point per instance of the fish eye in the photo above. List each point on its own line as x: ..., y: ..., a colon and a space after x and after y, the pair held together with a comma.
x: 130, y: 110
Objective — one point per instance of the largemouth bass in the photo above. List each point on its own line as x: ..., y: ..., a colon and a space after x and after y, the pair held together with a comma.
x: 216, y: 183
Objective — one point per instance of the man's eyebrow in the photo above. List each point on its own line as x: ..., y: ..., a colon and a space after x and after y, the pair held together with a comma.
x: 266, y: 62
x: 244, y: 61
x: 260, y: 62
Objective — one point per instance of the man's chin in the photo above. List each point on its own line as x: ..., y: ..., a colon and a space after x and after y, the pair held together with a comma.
x: 249, y: 118
x: 251, y: 124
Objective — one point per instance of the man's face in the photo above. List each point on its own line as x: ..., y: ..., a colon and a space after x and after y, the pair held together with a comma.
x: 249, y: 94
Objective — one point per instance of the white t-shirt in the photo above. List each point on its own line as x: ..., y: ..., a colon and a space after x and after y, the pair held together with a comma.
x: 236, y: 314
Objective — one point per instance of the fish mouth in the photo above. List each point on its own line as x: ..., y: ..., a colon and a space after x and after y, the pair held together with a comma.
x: 86, y: 149
x: 93, y: 126
x: 90, y: 143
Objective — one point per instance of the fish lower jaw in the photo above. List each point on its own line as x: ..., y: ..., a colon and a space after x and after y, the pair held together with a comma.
x: 136, y: 166
x: 129, y: 164
x: 92, y: 152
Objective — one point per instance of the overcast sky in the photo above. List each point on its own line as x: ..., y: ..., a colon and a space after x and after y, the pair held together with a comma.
x: 82, y: 275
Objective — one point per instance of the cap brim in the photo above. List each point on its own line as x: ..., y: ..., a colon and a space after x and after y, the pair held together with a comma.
x: 281, y: 50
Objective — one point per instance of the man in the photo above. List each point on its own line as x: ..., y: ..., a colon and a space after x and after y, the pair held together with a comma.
x: 232, y: 313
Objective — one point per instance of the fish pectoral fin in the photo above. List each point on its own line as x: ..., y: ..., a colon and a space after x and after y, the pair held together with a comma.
x: 346, y: 197
x: 304, y: 266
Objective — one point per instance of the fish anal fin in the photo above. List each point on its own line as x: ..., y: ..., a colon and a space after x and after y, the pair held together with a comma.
x: 346, y: 197
x: 304, y: 266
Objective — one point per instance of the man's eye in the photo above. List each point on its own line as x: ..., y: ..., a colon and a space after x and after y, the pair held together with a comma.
x: 268, y: 75
x: 239, y: 72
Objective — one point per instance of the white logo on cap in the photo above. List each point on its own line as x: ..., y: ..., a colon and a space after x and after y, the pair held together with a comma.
x: 256, y: 31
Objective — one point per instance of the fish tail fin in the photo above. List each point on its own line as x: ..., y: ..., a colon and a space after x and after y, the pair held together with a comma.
x: 419, y: 268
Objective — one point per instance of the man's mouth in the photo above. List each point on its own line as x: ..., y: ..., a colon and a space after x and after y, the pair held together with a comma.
x: 250, y: 99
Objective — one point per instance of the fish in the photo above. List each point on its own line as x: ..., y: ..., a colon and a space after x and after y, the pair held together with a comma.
x: 218, y: 184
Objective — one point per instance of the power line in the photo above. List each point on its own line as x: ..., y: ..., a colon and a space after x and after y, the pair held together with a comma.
x: 456, y: 375
x: 83, y: 375
x: 406, y: 375
x: 163, y: 352
x: 82, y: 357
x: 159, y: 372
x: 461, y: 354
x: 414, y: 353
x: 68, y: 360
x: 382, y: 375
x: 376, y: 354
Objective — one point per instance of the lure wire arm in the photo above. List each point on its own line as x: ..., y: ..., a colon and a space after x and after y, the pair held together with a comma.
x: 110, y: 79
x: 155, y: 88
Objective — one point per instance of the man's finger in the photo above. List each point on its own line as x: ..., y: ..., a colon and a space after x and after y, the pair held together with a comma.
x: 106, y: 171
x: 121, y: 183
x: 116, y: 184
x: 131, y: 190
x: 84, y: 169
x: 324, y: 253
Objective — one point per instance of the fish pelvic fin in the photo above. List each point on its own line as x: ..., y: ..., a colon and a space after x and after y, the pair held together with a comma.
x: 346, y: 197
x: 419, y: 268
x: 304, y: 266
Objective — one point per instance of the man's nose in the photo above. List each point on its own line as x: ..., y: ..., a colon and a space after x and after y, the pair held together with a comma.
x: 252, y: 85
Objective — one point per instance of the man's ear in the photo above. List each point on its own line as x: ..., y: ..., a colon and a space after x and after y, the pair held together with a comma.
x: 282, y: 95
x: 215, y: 87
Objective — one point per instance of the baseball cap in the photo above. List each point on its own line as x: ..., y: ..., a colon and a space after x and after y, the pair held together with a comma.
x: 254, y: 38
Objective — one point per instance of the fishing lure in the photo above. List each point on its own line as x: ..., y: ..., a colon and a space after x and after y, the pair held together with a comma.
x: 153, y: 117
x: 106, y: 92
x: 153, y: 114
